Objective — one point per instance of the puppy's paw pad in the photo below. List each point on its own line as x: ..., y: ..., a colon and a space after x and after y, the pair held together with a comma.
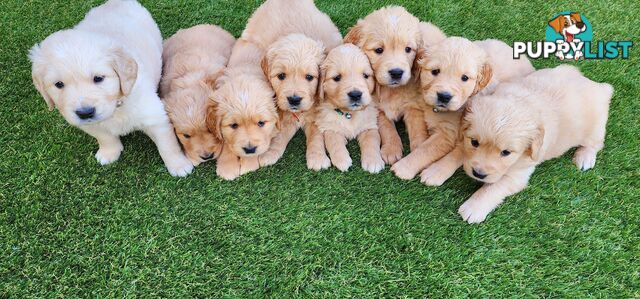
x: 391, y: 153
x: 318, y: 162
x: 342, y: 164
x: 474, y: 211
x: 269, y: 158
x: 180, y: 167
x: 373, y: 164
x: 433, y: 176
x: 108, y: 156
x: 585, y: 159
x: 402, y: 170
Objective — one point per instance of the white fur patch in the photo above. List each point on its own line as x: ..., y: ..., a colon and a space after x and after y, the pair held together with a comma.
x: 244, y: 96
x: 393, y: 19
x: 347, y: 49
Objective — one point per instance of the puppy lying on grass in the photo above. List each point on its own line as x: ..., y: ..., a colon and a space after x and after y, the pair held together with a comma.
x: 193, y: 60
x: 346, y: 109
x: 526, y: 122
x: 103, y: 77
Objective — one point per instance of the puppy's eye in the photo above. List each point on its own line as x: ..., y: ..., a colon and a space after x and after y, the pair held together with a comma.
x: 282, y: 76
x: 309, y: 78
x: 475, y: 143
x: 59, y: 85
x: 505, y: 153
x: 337, y: 78
x: 98, y: 79
x: 407, y: 49
x: 234, y: 126
x: 435, y: 72
x: 379, y: 50
x: 186, y: 136
x: 465, y: 78
x: 261, y: 123
x: 366, y: 76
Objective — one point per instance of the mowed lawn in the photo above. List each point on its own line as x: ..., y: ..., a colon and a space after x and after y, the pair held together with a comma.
x: 70, y: 228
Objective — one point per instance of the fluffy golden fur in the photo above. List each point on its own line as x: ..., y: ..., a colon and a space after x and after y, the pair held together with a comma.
x: 193, y: 59
x: 450, y: 73
x: 347, y: 110
x: 391, y: 37
x: 242, y: 112
x: 526, y: 122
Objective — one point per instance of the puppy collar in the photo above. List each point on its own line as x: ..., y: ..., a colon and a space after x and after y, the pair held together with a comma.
x: 347, y: 115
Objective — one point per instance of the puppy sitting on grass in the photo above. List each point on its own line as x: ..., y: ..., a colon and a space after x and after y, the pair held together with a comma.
x: 346, y: 110
x: 524, y: 123
x: 193, y: 60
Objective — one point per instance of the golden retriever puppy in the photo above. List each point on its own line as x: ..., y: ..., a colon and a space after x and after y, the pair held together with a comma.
x: 346, y: 110
x: 193, y: 59
x: 451, y: 72
x: 242, y: 113
x: 293, y: 66
x: 103, y: 77
x: 390, y: 37
x: 526, y: 122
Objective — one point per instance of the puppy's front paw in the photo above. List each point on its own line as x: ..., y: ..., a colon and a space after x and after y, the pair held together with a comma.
x: 434, y: 175
x: 180, y: 166
x: 318, y: 162
x: 108, y: 155
x: 269, y: 158
x: 228, y: 172
x: 475, y: 210
x: 372, y: 164
x: 403, y: 170
x: 585, y: 158
x: 342, y: 163
x: 391, y: 152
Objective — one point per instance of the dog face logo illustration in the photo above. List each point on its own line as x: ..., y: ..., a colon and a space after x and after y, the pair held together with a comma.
x: 568, y: 25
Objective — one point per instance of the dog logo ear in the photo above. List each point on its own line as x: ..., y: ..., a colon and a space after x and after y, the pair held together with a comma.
x: 127, y: 70
x: 212, y: 120
x: 484, y: 76
x: 355, y: 35
x: 558, y: 23
x: 535, y: 149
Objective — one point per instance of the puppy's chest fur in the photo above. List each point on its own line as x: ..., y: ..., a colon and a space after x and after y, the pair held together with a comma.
x: 328, y: 119
x: 298, y: 120
x: 394, y: 101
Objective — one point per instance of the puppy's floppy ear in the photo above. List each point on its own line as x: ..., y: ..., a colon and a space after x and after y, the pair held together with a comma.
x: 37, y: 81
x: 421, y: 54
x: 558, y: 23
x: 210, y: 79
x: 36, y: 75
x: 264, y: 63
x: 484, y: 76
x: 321, y: 75
x: 127, y: 70
x: 355, y: 35
x: 212, y: 120
x: 535, y: 149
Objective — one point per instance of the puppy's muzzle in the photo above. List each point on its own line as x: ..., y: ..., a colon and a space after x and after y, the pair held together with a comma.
x: 294, y: 101
x: 250, y: 149
x: 444, y: 98
x: 85, y: 113
x: 207, y: 156
x: 355, y: 96
x: 478, y: 174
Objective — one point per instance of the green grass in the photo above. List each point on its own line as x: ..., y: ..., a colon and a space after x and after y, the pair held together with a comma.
x: 70, y: 228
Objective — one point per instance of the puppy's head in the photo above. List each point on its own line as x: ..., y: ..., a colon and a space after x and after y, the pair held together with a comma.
x: 389, y: 37
x: 347, y: 79
x: 244, y: 115
x: 292, y: 65
x: 186, y: 106
x: 498, y: 133
x: 84, y: 76
x: 568, y: 25
x: 451, y: 72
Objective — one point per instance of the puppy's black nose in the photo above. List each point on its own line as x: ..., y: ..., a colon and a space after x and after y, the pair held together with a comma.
x: 86, y: 112
x: 396, y: 74
x: 355, y: 95
x: 294, y: 100
x: 207, y: 156
x: 477, y: 174
x: 444, y: 97
x: 250, y: 149
x: 580, y: 25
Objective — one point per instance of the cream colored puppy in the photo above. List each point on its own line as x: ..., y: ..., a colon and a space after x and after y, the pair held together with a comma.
x: 103, y: 76
x: 242, y: 112
x: 451, y: 72
x: 293, y: 66
x: 390, y: 37
x: 526, y: 122
x: 193, y: 59
x: 346, y: 110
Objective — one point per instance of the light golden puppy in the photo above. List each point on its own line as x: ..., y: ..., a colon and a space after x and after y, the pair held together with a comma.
x: 390, y: 37
x: 347, y: 110
x: 243, y: 113
x: 526, y: 122
x: 293, y: 66
x: 193, y: 59
x: 451, y: 72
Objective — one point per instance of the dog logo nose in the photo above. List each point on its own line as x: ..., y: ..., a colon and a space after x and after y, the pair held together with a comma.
x: 478, y: 174
x: 396, y: 74
x: 86, y: 112
x: 207, y: 156
x: 355, y: 95
x: 444, y: 97
x: 250, y: 149
x: 294, y: 100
